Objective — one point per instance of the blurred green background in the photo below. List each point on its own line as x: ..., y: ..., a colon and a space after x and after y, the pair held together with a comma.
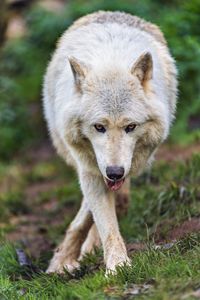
x: 24, y: 56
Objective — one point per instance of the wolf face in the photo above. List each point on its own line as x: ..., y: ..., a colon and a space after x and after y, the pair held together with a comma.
x: 113, y: 142
x: 117, y: 110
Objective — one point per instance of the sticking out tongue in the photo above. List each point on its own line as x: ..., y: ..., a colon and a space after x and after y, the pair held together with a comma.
x: 114, y: 185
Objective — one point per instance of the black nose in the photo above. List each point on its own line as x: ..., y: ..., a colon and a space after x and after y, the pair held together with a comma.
x: 115, y: 172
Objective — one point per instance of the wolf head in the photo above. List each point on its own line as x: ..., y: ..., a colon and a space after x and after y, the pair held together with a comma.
x: 120, y: 116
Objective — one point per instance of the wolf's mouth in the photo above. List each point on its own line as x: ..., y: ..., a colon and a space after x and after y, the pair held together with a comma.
x: 114, y: 185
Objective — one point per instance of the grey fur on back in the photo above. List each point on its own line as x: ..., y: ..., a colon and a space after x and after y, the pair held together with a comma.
x: 121, y: 18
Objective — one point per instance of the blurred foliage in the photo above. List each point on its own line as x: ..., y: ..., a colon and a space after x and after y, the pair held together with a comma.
x: 23, y: 64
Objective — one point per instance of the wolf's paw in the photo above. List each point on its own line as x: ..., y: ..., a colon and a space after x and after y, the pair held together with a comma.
x: 114, y: 263
x: 59, y: 268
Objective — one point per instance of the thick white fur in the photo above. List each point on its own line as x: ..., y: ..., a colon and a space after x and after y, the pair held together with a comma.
x: 104, y: 85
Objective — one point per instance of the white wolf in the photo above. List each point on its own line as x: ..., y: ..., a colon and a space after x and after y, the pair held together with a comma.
x: 109, y: 99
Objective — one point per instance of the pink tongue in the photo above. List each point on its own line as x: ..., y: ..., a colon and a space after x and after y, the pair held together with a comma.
x: 114, y: 186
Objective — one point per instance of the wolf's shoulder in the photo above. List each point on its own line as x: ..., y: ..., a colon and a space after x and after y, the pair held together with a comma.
x: 105, y: 17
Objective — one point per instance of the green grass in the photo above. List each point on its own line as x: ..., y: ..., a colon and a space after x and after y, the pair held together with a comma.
x: 161, y: 200
x: 171, y: 273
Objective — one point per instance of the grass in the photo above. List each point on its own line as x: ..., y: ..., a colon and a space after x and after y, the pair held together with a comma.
x: 170, y: 273
x: 161, y: 201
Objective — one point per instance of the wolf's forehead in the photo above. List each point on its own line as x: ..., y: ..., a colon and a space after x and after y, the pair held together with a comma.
x: 116, y: 95
x: 117, y: 111
x: 115, y: 99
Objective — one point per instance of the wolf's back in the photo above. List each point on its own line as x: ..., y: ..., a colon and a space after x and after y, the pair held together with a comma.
x: 102, y: 17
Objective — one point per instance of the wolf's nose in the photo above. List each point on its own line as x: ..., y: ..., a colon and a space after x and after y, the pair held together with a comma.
x: 115, y: 172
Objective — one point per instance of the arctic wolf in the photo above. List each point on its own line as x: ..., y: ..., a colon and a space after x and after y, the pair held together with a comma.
x: 109, y: 100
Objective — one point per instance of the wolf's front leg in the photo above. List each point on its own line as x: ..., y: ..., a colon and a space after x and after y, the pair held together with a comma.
x: 67, y: 253
x: 102, y: 205
x: 121, y: 201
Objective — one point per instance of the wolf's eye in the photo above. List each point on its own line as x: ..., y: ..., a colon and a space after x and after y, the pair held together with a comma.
x: 130, y: 128
x: 99, y: 128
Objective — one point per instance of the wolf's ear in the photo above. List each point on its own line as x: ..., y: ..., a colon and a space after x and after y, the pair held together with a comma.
x: 79, y: 71
x: 143, y: 68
